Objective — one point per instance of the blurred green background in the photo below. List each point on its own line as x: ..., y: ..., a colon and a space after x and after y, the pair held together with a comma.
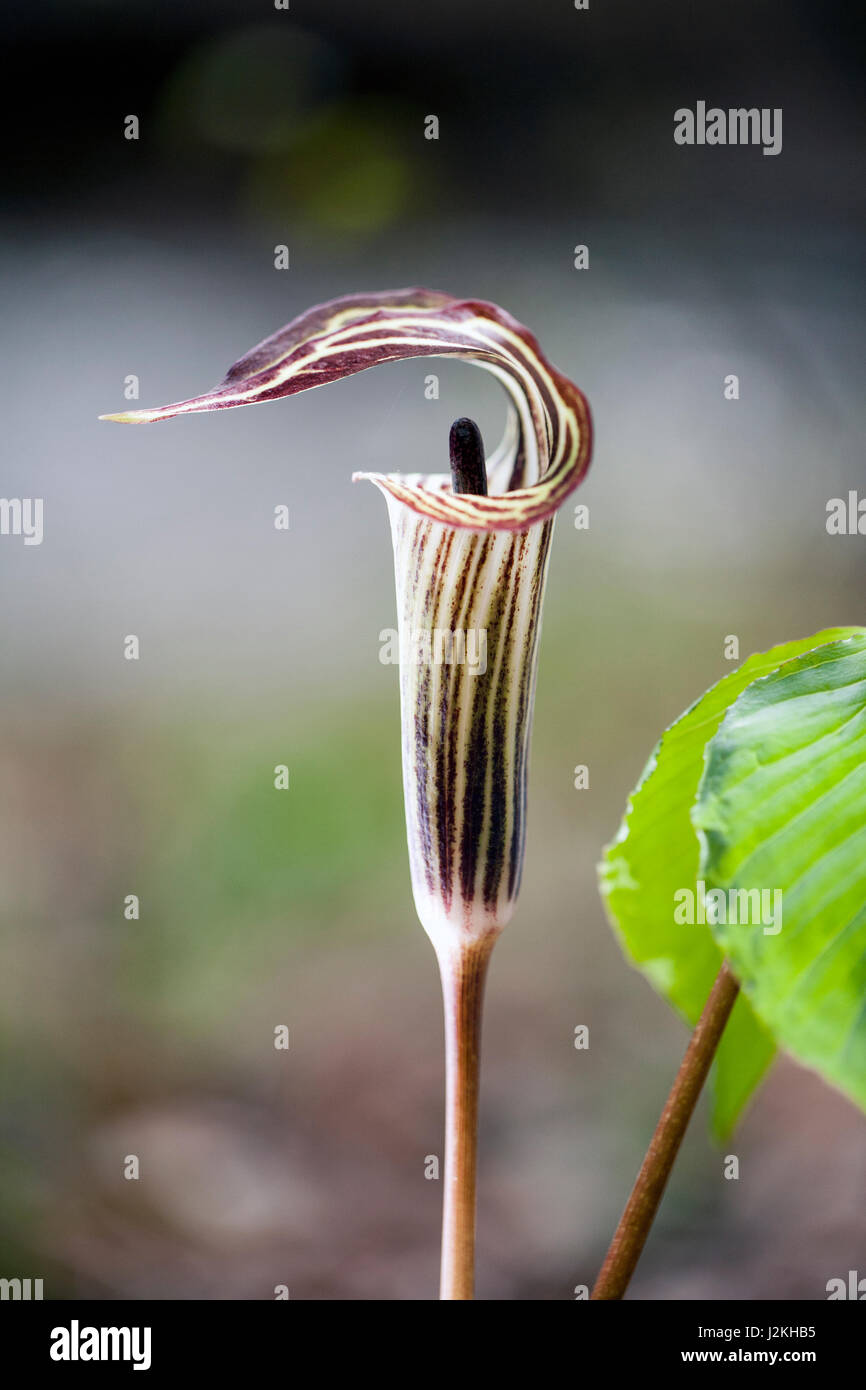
x: 155, y: 1037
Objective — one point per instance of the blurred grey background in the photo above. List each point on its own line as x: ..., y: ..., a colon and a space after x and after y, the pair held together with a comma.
x: 155, y: 257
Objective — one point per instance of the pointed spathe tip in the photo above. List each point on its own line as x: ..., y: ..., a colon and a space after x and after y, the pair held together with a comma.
x: 129, y: 417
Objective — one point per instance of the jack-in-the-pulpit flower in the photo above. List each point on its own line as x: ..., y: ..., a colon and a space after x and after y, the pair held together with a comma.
x: 469, y: 607
x: 470, y: 555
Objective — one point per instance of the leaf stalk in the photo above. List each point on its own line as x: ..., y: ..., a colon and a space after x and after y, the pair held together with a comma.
x: 640, y: 1211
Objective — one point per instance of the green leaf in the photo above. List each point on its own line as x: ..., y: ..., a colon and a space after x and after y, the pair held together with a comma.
x: 656, y: 853
x: 782, y: 809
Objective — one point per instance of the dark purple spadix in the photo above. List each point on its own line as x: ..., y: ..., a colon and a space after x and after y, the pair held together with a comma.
x: 468, y: 474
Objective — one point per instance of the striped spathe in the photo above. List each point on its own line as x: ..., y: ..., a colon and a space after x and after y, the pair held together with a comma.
x: 470, y: 574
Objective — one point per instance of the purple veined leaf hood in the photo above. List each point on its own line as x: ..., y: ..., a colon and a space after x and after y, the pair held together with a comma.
x: 470, y: 576
x: 548, y: 441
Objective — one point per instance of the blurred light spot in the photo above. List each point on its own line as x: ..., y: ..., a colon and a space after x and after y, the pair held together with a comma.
x: 244, y: 91
x: 347, y: 171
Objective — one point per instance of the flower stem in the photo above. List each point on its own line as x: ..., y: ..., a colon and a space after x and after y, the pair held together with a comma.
x: 637, y: 1219
x: 463, y: 970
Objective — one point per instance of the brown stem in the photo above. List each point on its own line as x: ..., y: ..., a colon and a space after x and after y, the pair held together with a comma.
x: 637, y: 1219
x: 463, y: 970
